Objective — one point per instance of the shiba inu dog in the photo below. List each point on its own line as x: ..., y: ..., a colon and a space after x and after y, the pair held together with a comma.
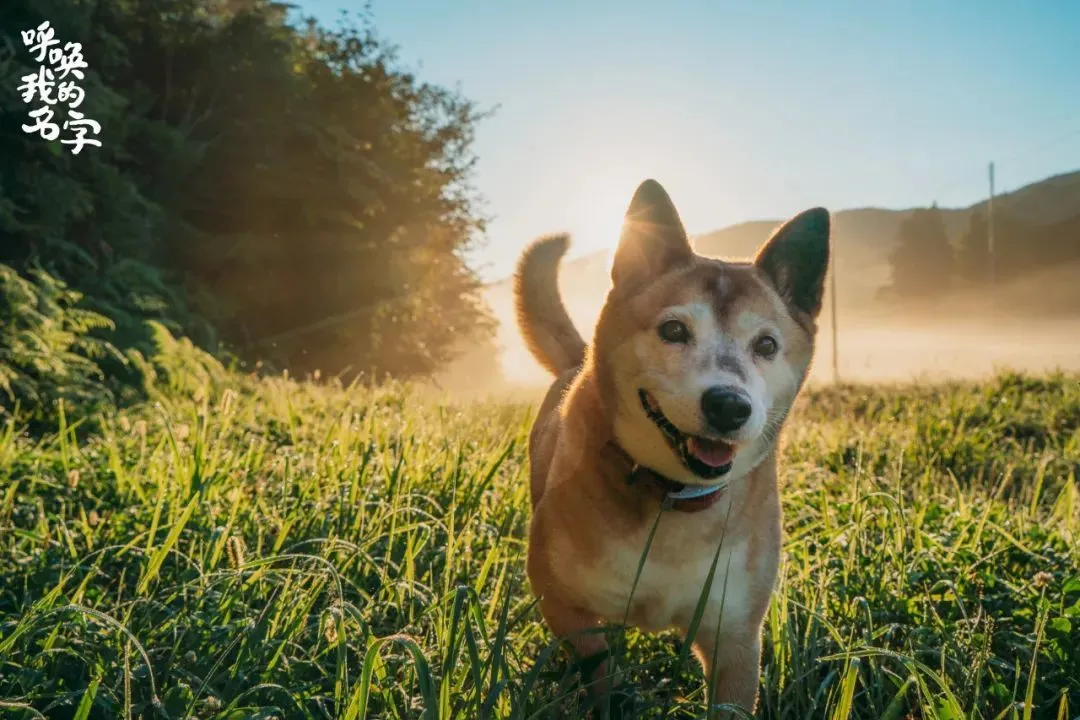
x: 669, y: 419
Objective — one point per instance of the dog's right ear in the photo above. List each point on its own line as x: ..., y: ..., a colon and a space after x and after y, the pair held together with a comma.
x: 653, y: 239
x: 796, y: 259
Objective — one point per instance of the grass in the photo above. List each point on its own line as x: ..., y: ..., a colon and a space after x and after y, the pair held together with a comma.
x: 281, y: 549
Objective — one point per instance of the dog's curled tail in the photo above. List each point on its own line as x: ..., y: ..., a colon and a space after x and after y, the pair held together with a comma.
x: 541, y: 316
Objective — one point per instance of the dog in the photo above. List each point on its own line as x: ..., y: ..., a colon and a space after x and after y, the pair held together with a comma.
x: 667, y: 424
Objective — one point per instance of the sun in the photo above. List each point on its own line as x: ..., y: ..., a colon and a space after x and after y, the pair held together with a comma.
x: 596, y: 220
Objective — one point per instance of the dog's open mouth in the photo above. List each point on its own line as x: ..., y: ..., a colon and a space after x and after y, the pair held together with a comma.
x: 706, y: 458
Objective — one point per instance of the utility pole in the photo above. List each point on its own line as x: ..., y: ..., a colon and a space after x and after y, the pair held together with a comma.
x: 835, y: 358
x: 990, y: 240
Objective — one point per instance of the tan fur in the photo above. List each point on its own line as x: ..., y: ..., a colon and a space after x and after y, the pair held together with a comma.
x: 589, y: 527
x: 548, y: 331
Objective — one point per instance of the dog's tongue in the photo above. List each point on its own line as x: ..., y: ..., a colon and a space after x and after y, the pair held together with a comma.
x: 714, y: 453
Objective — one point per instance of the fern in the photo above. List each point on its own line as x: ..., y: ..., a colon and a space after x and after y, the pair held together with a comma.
x: 48, y: 352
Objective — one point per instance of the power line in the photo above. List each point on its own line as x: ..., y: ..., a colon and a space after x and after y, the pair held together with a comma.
x: 1039, y: 147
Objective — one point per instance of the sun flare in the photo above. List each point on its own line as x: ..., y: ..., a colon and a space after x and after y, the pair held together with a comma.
x: 597, y: 223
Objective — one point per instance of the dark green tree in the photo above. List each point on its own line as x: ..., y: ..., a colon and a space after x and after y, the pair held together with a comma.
x: 923, y: 261
x: 92, y: 219
x: 1017, y: 247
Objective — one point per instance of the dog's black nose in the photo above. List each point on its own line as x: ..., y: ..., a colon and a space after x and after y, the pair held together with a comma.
x: 725, y: 408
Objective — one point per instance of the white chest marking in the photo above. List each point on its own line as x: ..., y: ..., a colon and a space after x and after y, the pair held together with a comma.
x: 672, y: 579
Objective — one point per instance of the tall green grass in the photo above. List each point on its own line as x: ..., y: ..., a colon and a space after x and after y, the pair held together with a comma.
x: 281, y: 549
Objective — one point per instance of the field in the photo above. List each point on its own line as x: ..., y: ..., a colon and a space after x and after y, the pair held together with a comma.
x: 281, y: 549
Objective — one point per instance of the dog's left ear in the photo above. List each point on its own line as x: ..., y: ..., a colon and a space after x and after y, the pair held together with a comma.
x: 653, y: 239
x: 796, y: 259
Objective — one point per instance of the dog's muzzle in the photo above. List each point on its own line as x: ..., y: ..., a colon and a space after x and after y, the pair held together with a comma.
x: 706, y: 458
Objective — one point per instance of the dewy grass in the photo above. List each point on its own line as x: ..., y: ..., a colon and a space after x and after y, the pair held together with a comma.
x: 300, y: 551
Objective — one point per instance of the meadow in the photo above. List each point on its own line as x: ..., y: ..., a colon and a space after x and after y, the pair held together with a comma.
x: 274, y: 548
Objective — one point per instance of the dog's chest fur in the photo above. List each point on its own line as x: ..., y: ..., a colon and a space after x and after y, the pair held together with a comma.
x: 676, y: 570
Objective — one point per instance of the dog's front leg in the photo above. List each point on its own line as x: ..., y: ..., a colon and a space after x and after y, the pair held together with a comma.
x: 732, y: 668
x: 581, y: 630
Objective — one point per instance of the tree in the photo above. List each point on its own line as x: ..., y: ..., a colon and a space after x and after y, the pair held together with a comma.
x: 922, y: 263
x: 973, y: 253
x: 351, y: 213
x: 92, y: 221
x: 1016, y: 247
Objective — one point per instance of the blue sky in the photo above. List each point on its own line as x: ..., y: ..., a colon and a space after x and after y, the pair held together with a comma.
x: 743, y: 110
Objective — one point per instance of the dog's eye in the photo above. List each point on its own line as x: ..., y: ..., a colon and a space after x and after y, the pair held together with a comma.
x: 766, y: 347
x: 674, y: 331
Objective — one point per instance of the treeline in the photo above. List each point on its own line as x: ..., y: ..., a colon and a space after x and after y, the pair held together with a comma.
x: 926, y: 264
x: 277, y: 194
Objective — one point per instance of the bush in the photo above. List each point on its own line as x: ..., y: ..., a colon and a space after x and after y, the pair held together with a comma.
x: 48, y: 351
x: 55, y: 356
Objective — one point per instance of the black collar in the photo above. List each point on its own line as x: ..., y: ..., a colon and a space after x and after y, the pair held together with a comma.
x: 671, y: 494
